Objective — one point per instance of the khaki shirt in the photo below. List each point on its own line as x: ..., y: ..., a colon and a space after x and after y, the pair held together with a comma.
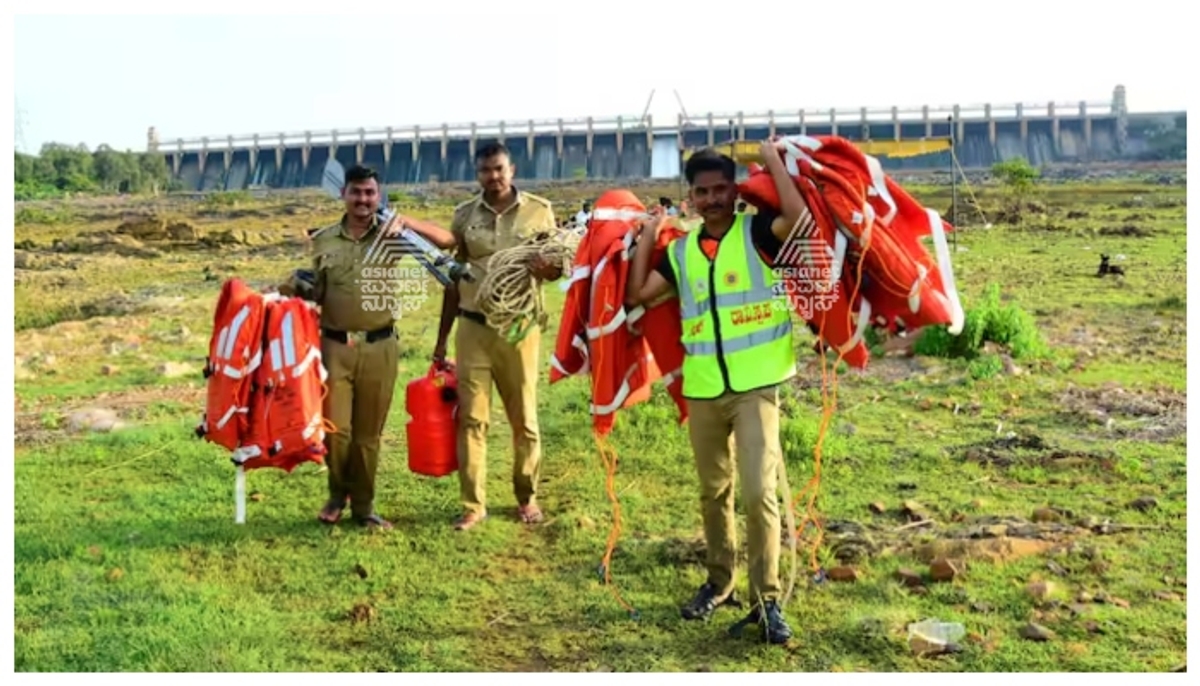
x: 350, y: 298
x: 482, y: 231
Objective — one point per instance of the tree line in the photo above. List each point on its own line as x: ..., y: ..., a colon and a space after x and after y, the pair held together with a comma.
x: 59, y: 169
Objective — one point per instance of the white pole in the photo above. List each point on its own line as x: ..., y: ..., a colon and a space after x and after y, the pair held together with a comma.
x: 240, y: 496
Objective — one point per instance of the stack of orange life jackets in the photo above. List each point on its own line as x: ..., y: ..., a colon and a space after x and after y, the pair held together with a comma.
x: 624, y: 350
x: 265, y: 380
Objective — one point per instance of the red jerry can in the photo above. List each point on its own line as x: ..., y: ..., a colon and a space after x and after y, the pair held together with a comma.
x: 432, y: 402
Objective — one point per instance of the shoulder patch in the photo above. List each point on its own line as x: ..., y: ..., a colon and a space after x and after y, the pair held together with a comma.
x: 536, y: 199
x: 325, y: 231
x: 466, y: 205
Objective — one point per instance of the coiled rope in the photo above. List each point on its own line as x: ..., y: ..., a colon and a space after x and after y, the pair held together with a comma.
x: 508, y: 294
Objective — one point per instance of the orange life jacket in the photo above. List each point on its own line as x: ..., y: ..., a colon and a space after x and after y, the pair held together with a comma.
x: 857, y: 206
x: 287, y: 424
x: 234, y: 354
x: 595, y: 336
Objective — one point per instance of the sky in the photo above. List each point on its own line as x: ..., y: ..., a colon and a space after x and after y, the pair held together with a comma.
x: 107, y: 79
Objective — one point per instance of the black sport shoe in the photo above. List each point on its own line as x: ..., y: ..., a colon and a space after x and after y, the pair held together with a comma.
x: 705, y: 603
x: 774, y: 628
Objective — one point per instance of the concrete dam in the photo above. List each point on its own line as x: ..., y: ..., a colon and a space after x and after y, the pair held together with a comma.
x: 636, y: 147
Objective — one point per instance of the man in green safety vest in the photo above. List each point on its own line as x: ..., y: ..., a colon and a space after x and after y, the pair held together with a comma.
x: 737, y: 334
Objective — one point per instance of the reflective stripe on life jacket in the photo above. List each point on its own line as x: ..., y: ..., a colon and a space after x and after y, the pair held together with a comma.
x: 234, y: 354
x: 287, y: 425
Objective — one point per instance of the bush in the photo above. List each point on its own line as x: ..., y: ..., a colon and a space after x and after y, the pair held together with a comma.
x: 988, y: 321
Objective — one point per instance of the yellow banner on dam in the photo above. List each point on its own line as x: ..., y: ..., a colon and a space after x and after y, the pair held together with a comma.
x: 745, y: 152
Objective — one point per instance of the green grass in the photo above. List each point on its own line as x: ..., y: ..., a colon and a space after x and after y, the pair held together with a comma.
x: 128, y: 559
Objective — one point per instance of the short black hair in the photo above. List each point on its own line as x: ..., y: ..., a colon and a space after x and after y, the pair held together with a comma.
x: 358, y: 173
x: 741, y: 206
x: 491, y: 150
x: 664, y: 201
x: 708, y: 160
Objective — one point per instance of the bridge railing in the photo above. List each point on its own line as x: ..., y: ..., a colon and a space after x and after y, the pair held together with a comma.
x: 636, y: 124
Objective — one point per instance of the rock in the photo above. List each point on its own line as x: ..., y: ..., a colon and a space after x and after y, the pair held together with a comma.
x: 1085, y: 597
x: 877, y: 507
x: 1168, y: 596
x: 1144, y: 504
x: 909, y: 578
x: 174, y: 370
x: 1040, y: 590
x: 981, y: 607
x: 586, y: 522
x: 915, y: 511
x: 978, y: 504
x: 843, y: 573
x: 1035, y: 632
x: 94, y: 419
x: 1055, y: 568
x: 1046, y: 514
x: 943, y: 570
x: 109, y: 369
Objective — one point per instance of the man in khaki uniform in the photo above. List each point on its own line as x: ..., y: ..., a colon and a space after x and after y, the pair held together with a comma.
x: 358, y: 345
x: 499, y: 217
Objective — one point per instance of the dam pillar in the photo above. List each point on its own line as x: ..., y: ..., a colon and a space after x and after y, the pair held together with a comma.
x: 203, y: 156
x: 741, y: 126
x: 1023, y: 125
x: 387, y: 150
x: 445, y: 151
x: 833, y: 123
x: 770, y: 123
x: 895, y: 123
x: 1055, y: 134
x: 360, y: 151
x: 558, y: 151
x: 1121, y: 110
x: 228, y: 153
x: 305, y: 153
x: 474, y: 142
x: 803, y: 125
x: 712, y: 132
x: 620, y: 146
x: 254, y: 158
x: 960, y: 132
x: 501, y: 136
x: 333, y: 146
x: 1087, y: 126
x: 866, y: 126
x: 650, y: 144
x: 991, y: 123
x: 529, y: 144
x: 928, y: 121
x: 177, y: 159
x: 587, y: 146
x: 279, y: 150
x: 416, y: 145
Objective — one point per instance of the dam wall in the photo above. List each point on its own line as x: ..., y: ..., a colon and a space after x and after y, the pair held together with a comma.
x: 638, y: 148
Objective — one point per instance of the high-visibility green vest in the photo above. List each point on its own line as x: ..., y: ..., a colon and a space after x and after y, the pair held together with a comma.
x: 745, y: 341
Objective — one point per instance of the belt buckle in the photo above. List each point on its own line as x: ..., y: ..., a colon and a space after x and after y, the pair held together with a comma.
x: 355, y: 337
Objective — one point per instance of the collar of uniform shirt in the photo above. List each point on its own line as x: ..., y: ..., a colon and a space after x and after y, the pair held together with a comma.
x: 518, y: 198
x: 370, y: 227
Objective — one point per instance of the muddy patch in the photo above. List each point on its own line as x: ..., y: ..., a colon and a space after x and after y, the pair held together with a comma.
x: 1030, y: 449
x: 1157, y: 415
x: 1126, y: 231
x: 43, y: 423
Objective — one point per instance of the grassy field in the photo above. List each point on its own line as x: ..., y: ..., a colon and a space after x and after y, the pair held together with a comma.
x: 1057, y: 487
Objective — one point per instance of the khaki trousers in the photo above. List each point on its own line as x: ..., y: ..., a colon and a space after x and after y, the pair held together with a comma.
x: 753, y: 419
x: 484, y: 358
x: 362, y: 381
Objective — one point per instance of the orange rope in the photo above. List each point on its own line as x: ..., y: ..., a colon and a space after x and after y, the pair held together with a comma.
x: 828, y: 407
x: 608, y: 456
